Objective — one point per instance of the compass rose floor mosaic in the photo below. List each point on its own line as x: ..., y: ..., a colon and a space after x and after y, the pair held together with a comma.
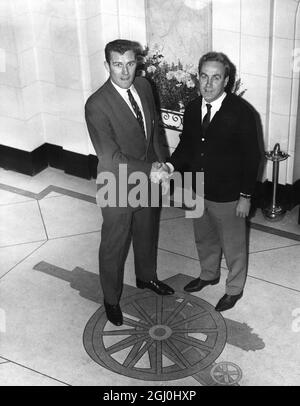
x: 53, y: 329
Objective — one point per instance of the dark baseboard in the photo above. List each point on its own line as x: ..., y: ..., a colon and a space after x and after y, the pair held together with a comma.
x: 31, y: 163
x: 28, y: 163
x: 287, y: 196
x: 85, y: 166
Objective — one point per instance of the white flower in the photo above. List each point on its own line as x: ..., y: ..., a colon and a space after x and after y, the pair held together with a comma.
x: 190, y: 84
x: 170, y: 75
x: 151, y: 69
x: 181, y: 106
x: 192, y: 70
x: 182, y: 76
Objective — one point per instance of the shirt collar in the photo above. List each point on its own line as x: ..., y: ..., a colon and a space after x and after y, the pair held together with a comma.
x: 123, y: 92
x: 216, y: 104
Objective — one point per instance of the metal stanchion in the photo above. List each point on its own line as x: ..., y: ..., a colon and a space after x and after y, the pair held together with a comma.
x: 275, y: 212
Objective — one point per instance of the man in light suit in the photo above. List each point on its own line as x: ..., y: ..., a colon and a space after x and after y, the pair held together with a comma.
x: 220, y: 139
x: 123, y: 125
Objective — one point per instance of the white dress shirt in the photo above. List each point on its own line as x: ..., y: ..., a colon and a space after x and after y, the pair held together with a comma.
x: 124, y: 94
x: 215, y: 106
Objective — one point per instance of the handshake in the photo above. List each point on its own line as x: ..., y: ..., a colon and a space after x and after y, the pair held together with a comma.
x: 160, y: 173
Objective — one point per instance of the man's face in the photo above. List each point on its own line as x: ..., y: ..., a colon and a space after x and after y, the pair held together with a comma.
x: 122, y: 68
x: 212, y: 80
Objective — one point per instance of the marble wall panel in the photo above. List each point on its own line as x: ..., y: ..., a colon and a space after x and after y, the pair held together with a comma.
x: 10, y: 102
x: 7, y: 39
x: 52, y: 129
x: 5, y: 8
x: 256, y: 91
x: 110, y: 28
x: 292, y: 131
x: 35, y: 128
x: 282, y: 59
x: 222, y: 20
x: 89, y: 8
x: 295, y: 96
x: 94, y: 33
x: 279, y: 128
x: 133, y: 28
x: 23, y: 32
x: 67, y: 70
x: 42, y: 30
x: 32, y: 100
x: 75, y: 137
x: 55, y: 8
x: 45, y: 65
x: 97, y: 71
x: 132, y: 8
x: 228, y: 42
x: 28, y: 67
x: 181, y: 27
x: 19, y: 7
x: 109, y: 7
x: 9, y: 70
x: 70, y: 104
x: 255, y: 55
x: 64, y: 36
x: 285, y: 18
x: 50, y: 101
x: 256, y: 17
x: 281, y: 92
x: 11, y: 131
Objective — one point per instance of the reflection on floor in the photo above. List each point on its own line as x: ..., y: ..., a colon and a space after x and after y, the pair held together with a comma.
x: 53, y: 330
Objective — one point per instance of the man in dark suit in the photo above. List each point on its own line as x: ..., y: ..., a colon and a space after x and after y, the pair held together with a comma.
x: 123, y: 125
x: 220, y: 139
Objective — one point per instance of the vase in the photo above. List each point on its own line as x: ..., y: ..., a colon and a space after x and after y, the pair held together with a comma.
x: 172, y: 120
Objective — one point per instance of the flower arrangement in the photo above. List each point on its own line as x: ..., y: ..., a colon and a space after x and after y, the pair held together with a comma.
x: 174, y: 85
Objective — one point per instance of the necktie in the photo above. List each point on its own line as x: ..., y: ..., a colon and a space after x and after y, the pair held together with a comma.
x: 206, y: 118
x: 137, y: 110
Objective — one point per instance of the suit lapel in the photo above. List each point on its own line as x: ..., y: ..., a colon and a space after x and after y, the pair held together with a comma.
x: 124, y: 109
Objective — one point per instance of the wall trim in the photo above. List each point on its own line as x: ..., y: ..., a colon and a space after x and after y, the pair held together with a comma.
x: 85, y: 166
x: 31, y: 163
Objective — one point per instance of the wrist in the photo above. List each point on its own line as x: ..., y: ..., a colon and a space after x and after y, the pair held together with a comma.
x: 245, y: 196
x: 170, y: 167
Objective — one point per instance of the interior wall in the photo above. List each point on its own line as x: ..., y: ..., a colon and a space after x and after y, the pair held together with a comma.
x: 260, y: 37
x: 54, y: 52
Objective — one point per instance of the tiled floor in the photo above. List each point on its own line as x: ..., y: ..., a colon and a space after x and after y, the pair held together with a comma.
x: 53, y: 330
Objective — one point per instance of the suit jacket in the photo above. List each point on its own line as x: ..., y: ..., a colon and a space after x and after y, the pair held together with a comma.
x: 228, y: 152
x: 116, y: 134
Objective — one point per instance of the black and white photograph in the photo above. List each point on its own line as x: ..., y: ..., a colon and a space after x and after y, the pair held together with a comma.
x: 149, y: 196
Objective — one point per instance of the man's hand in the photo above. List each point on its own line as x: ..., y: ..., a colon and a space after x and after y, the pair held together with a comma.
x: 243, y: 207
x: 159, y: 172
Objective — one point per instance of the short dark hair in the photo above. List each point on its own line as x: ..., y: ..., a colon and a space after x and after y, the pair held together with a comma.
x: 217, y: 57
x: 121, y: 46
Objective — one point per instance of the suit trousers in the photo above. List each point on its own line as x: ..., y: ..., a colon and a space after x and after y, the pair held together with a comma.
x: 220, y: 230
x: 118, y: 230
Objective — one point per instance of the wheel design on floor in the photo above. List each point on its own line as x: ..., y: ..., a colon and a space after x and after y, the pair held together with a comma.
x: 226, y: 373
x: 162, y: 338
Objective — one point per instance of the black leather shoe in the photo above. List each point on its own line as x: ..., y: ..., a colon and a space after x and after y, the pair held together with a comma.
x: 157, y: 286
x: 198, y: 284
x: 114, y: 314
x: 227, y: 302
